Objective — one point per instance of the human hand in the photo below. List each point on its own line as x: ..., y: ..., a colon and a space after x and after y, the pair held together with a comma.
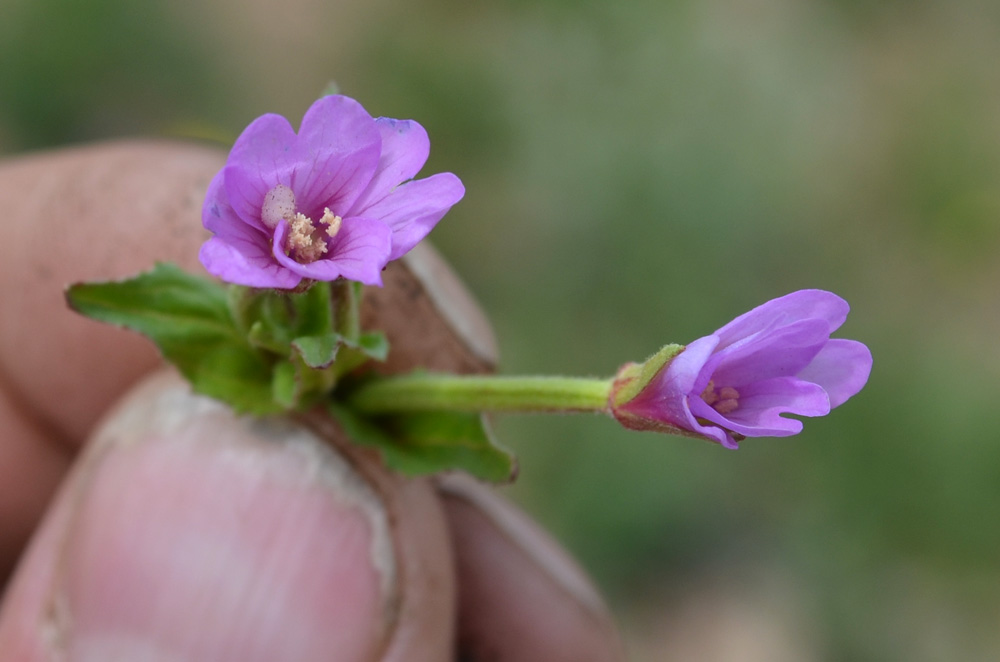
x: 181, y: 532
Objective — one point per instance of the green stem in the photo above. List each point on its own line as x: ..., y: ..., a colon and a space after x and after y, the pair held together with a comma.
x: 347, y: 308
x: 432, y: 392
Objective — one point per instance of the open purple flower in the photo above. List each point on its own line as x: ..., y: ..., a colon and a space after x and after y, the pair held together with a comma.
x: 333, y: 200
x: 776, y: 359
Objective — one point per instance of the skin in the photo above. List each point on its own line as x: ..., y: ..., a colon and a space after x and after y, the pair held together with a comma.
x: 141, y: 522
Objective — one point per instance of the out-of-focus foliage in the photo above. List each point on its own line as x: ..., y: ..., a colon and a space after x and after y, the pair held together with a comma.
x: 639, y: 173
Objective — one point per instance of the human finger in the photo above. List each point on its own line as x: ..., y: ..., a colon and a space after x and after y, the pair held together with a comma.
x: 186, y: 532
x: 86, y: 213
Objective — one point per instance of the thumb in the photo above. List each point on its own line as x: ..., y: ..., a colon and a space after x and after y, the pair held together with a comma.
x: 187, y: 533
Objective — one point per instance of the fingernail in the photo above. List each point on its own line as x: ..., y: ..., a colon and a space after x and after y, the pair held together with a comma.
x: 521, y: 597
x: 525, y: 535
x: 201, y: 536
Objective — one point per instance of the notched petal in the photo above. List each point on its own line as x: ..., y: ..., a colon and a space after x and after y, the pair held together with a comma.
x: 405, y: 147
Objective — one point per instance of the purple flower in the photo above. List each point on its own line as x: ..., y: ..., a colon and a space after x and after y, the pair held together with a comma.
x: 776, y: 359
x: 334, y: 200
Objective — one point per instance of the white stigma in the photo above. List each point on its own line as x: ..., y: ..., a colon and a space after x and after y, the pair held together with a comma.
x: 279, y: 203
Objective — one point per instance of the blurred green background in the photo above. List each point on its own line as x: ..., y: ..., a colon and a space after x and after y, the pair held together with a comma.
x: 638, y: 173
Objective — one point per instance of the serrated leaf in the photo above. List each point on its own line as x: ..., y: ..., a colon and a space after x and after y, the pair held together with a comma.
x: 429, y: 443
x: 164, y: 294
x: 188, y: 319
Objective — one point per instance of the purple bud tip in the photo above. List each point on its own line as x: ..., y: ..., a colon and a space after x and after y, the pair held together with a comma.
x: 740, y: 381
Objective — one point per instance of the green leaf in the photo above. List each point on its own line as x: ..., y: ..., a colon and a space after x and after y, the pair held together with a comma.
x: 188, y: 318
x: 428, y: 443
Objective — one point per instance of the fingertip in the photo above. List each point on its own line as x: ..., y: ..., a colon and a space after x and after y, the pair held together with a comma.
x: 188, y: 533
x: 90, y: 213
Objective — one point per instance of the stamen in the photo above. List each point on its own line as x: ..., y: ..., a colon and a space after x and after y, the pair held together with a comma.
x: 305, y: 242
x: 729, y: 393
x: 726, y: 406
x: 279, y: 203
x: 332, y: 221
x: 725, y: 401
x: 302, y: 242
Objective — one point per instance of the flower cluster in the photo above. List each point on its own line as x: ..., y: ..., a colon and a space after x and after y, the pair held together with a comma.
x: 737, y: 382
x: 334, y: 200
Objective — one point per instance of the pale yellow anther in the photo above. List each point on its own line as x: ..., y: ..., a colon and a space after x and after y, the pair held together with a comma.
x: 709, y: 395
x: 332, y: 221
x: 726, y: 406
x: 303, y: 244
x: 725, y: 401
x: 729, y: 393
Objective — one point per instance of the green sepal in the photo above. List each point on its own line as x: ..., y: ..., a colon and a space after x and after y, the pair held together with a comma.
x: 634, y: 377
x: 318, y: 352
x: 188, y: 318
x: 430, y: 443
x: 313, y: 311
x: 285, y: 387
x: 263, y: 336
x: 274, y: 319
x: 369, y: 346
x: 347, y: 296
x: 374, y: 345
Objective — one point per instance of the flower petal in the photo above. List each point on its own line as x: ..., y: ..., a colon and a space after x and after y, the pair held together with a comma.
x: 414, y: 208
x: 842, y: 368
x: 216, y: 212
x: 791, y: 308
x: 262, y: 156
x: 781, y: 352
x: 359, y: 252
x: 245, y: 264
x: 715, y: 433
x: 684, y: 369
x: 336, y: 159
x: 336, y: 154
x: 238, y: 253
x: 762, y: 403
x: 405, y: 147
